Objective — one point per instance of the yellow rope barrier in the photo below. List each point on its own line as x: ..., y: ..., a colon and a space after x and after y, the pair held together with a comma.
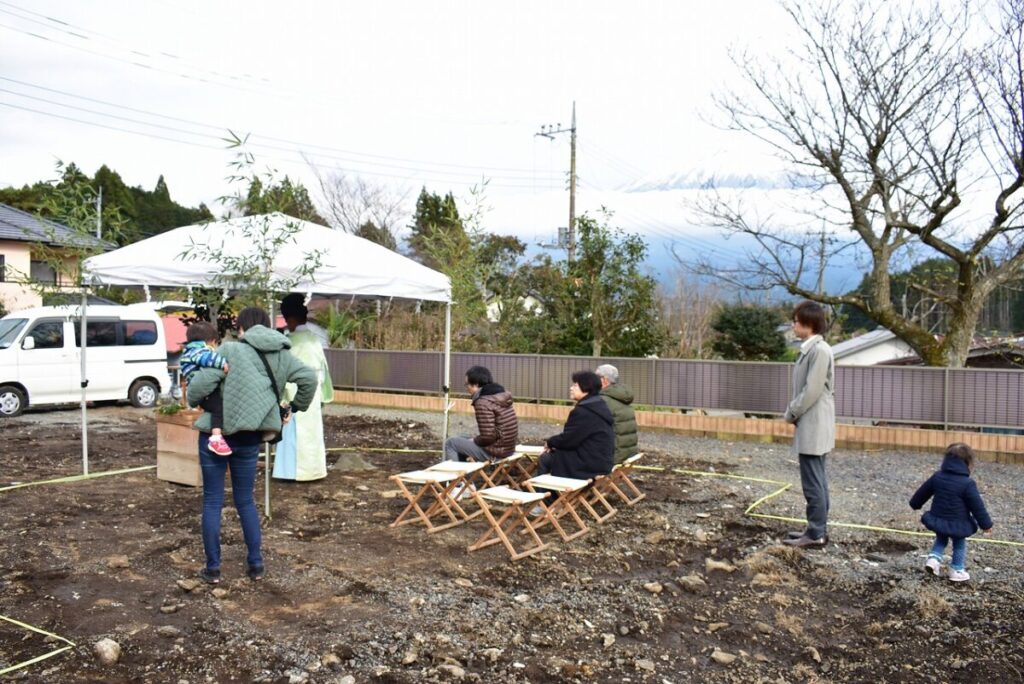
x: 76, y: 478
x: 784, y: 486
x: 33, y: 661
x: 398, y: 451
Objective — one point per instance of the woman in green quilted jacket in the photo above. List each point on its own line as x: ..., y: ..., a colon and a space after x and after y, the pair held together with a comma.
x: 252, y: 415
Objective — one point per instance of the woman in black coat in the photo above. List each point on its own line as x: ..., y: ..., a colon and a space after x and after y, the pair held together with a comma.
x: 586, y: 446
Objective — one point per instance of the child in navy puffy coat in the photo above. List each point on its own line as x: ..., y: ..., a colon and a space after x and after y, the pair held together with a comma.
x: 957, y: 511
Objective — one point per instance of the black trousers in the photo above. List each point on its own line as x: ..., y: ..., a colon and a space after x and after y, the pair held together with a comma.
x: 214, y: 405
x: 814, y: 481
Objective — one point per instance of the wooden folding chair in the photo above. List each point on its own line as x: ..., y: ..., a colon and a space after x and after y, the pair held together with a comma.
x: 471, y: 472
x: 529, y: 458
x: 619, y: 479
x: 511, y: 520
x: 595, y: 502
x: 506, y: 471
x: 435, y: 489
x: 570, y: 493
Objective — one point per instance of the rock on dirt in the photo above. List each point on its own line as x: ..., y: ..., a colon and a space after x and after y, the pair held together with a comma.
x: 722, y: 657
x: 453, y: 671
x: 117, y: 562
x: 694, y: 584
x: 107, y: 651
x: 710, y: 565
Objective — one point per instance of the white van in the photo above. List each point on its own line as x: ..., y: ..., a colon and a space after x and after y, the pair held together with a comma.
x: 40, y: 356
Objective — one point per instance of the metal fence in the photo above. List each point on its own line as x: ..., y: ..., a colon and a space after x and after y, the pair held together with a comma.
x: 892, y: 394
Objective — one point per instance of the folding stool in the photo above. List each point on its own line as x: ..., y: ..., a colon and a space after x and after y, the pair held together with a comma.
x: 594, y: 498
x: 527, y: 464
x: 504, y: 471
x: 435, y: 487
x: 512, y: 519
x: 620, y: 476
x: 470, y: 471
x: 570, y: 493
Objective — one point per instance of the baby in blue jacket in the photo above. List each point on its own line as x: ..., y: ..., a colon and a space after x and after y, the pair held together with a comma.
x: 957, y: 511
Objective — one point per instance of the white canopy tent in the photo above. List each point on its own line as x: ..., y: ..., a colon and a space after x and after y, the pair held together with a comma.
x: 348, y: 265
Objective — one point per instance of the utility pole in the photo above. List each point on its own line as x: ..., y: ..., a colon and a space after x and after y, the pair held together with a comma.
x: 550, y: 131
x: 99, y: 213
x: 821, y: 262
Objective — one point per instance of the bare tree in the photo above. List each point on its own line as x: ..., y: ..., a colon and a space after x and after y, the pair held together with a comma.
x: 688, y: 311
x: 893, y: 117
x: 357, y: 206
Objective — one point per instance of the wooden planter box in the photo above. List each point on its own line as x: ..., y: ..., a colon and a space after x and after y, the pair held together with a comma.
x: 177, y: 448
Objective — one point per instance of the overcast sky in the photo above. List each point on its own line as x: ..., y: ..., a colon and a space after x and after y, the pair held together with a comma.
x: 405, y: 93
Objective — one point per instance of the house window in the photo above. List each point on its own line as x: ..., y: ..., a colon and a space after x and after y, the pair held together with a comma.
x: 42, y: 272
x: 3, y: 269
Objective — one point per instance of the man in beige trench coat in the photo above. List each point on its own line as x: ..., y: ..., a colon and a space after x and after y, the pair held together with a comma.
x: 813, y: 411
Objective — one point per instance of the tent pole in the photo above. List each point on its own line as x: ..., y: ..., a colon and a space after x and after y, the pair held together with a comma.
x: 447, y: 380
x: 84, y: 381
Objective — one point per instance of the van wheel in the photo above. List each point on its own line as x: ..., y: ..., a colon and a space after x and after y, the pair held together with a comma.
x: 143, y: 394
x: 12, y: 401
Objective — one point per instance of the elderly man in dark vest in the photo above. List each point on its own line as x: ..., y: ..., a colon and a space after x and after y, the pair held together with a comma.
x: 619, y: 398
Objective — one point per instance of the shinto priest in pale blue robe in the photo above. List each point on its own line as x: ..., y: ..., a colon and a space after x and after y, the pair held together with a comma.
x: 301, y: 454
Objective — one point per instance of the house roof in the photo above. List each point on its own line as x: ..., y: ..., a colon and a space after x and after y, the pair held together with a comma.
x: 16, y: 224
x: 862, y: 342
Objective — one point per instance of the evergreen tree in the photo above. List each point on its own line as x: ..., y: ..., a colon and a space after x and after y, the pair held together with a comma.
x: 137, y: 213
x: 748, y: 333
x: 372, y: 232
x: 435, y: 221
x: 287, y: 196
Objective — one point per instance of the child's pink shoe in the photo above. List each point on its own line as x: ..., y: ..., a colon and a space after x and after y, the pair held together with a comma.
x: 219, y: 445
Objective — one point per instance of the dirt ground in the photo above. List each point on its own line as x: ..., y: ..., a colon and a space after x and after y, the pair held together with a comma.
x: 681, y: 588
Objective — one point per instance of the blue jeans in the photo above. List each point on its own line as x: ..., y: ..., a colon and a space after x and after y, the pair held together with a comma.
x: 959, y: 560
x: 242, y: 462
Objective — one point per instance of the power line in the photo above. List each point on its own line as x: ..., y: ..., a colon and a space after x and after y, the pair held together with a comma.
x: 251, y: 142
x: 527, y: 173
x: 66, y: 27
x: 667, y: 232
x: 207, y: 76
x: 409, y: 177
x: 130, y: 62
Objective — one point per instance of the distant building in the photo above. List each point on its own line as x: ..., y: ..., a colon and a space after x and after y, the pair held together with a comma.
x: 20, y: 233
x: 878, y: 346
x: 528, y: 303
x: 881, y: 347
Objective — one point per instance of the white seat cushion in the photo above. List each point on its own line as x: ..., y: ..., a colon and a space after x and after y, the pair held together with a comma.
x: 423, y: 476
x: 510, y: 496
x: 531, y: 450
x: 461, y: 467
x: 558, y: 484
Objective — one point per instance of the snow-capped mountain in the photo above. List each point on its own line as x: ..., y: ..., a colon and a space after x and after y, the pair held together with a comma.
x: 695, y: 179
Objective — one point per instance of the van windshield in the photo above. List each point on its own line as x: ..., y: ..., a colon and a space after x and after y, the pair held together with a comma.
x: 9, y: 329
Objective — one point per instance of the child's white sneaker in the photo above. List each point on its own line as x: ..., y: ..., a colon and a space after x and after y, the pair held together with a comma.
x: 933, y: 565
x: 958, y: 575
